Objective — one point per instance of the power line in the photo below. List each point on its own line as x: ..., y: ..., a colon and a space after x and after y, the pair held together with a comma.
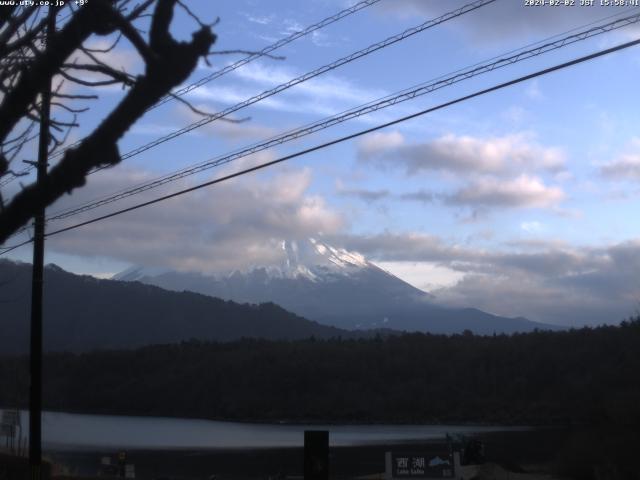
x: 479, y: 93
x: 280, y: 43
x: 284, y: 41
x: 303, y: 78
x: 16, y: 149
x: 391, y: 100
x: 9, y: 249
x: 229, y: 68
x: 309, y: 75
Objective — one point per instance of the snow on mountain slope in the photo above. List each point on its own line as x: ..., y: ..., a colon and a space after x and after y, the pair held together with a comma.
x: 332, y: 286
x: 309, y: 259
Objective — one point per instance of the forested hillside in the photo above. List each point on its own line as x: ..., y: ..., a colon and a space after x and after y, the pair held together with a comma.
x: 83, y: 313
x: 577, y: 376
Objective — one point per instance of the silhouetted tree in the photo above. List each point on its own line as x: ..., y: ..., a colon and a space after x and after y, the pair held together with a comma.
x: 30, y: 58
x: 575, y: 377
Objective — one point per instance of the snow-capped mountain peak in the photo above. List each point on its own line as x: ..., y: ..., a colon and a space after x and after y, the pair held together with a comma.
x: 332, y: 286
x: 137, y: 272
x: 340, y: 256
x: 310, y: 277
x: 311, y: 258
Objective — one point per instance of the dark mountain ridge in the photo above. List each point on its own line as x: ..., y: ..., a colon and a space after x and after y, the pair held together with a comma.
x: 83, y: 313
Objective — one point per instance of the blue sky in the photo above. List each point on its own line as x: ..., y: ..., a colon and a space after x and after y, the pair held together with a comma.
x: 520, y: 202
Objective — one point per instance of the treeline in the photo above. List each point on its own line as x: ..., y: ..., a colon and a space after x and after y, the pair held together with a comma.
x: 571, y: 377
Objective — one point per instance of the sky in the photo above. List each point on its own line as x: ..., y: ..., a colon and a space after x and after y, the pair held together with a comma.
x: 520, y: 202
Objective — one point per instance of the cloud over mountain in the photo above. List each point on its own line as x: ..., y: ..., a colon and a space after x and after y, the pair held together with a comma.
x: 544, y: 281
x: 225, y: 226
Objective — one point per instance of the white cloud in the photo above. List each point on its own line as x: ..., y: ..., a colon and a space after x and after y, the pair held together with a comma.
x: 505, y: 20
x: 463, y: 154
x: 259, y: 19
x: 422, y: 196
x: 533, y: 90
x: 365, y: 194
x: 426, y: 276
x: 221, y: 94
x: 291, y: 26
x: 325, y: 95
x: 490, y: 163
x: 321, y: 39
x: 375, y: 143
x: 228, y: 130
x: 532, y: 227
x: 370, y: 195
x: 405, y: 247
x: 326, y: 87
x: 626, y: 166
x: 230, y: 225
x: 515, y: 114
x: 544, y: 281
x: 283, y: 103
x: 523, y: 191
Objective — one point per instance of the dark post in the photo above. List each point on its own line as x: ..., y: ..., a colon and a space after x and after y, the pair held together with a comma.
x: 316, y: 455
x: 35, y: 360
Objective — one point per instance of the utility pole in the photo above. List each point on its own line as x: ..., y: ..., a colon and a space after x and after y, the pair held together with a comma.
x: 35, y: 359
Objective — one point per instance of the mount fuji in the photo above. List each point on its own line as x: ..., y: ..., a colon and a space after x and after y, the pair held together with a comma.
x: 334, y: 287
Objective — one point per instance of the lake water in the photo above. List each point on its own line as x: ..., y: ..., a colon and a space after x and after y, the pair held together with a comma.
x: 62, y: 431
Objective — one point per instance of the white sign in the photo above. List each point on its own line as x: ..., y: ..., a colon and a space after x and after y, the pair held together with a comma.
x: 129, y: 471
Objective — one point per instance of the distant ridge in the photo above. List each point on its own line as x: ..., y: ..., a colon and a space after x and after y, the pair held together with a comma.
x: 83, y: 313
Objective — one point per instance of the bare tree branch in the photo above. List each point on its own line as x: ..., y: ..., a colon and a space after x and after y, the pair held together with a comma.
x: 139, y: 10
x: 69, y: 109
x: 89, y: 83
x: 197, y: 111
x: 86, y: 21
x: 117, y: 75
x: 167, y: 65
x: 13, y: 25
x: 75, y: 97
x: 127, y: 29
x: 104, y: 50
x: 246, y: 52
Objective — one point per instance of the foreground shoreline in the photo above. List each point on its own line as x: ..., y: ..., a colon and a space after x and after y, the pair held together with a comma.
x: 516, y: 451
x: 300, y: 422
